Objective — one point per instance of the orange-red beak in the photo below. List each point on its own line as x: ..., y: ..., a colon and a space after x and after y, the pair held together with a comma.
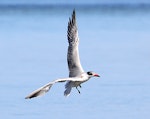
x: 96, y: 75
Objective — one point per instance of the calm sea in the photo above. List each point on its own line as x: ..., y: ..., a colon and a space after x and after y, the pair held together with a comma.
x: 114, y: 42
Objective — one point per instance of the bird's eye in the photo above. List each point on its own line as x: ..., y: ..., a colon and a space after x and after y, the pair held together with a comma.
x: 89, y: 73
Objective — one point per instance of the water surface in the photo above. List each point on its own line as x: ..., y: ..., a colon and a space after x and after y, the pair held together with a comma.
x: 114, y: 42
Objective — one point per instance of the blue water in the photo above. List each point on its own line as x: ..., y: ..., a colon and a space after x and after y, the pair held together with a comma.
x: 114, y: 42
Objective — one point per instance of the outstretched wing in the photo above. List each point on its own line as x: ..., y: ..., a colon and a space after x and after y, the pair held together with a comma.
x: 40, y: 91
x: 44, y: 89
x: 73, y: 59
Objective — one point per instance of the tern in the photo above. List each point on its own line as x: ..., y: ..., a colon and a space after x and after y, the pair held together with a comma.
x: 77, y: 75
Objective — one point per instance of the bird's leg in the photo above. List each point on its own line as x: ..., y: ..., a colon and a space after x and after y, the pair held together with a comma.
x: 78, y: 90
x: 80, y: 86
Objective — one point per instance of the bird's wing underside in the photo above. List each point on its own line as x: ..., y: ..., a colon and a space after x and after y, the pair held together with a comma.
x: 73, y: 59
x: 44, y: 89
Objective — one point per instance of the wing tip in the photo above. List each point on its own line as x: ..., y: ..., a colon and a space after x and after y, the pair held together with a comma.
x: 39, y: 92
x: 32, y: 96
x: 74, y: 12
x: 72, y: 27
x: 73, y: 18
x: 27, y: 97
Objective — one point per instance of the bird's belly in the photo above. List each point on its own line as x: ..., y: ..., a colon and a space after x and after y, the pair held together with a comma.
x: 77, y: 83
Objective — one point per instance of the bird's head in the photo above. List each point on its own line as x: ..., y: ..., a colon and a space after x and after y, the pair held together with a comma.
x: 92, y: 74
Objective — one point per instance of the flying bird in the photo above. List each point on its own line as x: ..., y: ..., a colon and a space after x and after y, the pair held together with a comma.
x: 77, y: 75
